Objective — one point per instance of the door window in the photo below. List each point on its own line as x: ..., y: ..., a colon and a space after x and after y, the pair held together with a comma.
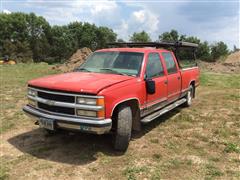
x: 154, y: 66
x: 170, y: 63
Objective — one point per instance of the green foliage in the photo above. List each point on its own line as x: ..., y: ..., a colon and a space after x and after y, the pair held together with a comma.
x: 24, y: 37
x: 133, y: 171
x: 140, y: 37
x: 231, y: 147
x: 204, y: 52
x: 219, y: 49
x: 19, y: 51
x: 169, y: 36
x: 27, y: 37
x: 120, y: 40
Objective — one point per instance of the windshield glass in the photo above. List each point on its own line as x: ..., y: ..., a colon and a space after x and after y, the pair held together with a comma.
x: 124, y: 63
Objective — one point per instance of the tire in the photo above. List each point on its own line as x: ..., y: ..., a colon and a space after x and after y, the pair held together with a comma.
x: 123, y: 130
x: 50, y: 132
x: 189, y: 96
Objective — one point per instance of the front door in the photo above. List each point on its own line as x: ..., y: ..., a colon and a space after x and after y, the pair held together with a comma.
x: 155, y: 71
x: 173, y: 76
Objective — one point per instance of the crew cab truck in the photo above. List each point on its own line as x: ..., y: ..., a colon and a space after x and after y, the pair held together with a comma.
x: 115, y: 90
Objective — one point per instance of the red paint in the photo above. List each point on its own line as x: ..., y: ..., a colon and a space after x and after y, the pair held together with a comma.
x: 118, y: 88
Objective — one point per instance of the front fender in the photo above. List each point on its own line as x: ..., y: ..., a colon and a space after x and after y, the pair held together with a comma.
x: 133, y: 89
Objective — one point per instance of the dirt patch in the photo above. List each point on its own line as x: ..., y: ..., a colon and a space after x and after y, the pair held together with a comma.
x: 233, y: 58
x: 230, y: 65
x: 75, y: 60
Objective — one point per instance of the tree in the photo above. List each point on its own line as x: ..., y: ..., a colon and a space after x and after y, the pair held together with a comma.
x: 120, y: 40
x: 19, y: 51
x: 63, y: 43
x: 219, y: 49
x: 140, y: 37
x: 169, y: 36
x: 104, y: 36
x: 204, y: 51
x: 235, y: 49
x: 35, y: 38
x: 38, y: 34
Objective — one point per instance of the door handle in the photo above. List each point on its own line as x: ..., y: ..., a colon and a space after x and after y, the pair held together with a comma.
x: 178, y: 77
x: 165, y: 82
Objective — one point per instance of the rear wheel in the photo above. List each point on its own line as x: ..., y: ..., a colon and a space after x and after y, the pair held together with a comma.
x: 189, y: 96
x: 123, y: 130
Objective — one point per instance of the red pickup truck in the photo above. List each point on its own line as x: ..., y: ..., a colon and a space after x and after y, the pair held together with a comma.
x: 115, y: 90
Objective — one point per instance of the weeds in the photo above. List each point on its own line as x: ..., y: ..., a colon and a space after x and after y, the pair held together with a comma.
x: 131, y: 172
x: 231, y: 147
x: 212, y: 171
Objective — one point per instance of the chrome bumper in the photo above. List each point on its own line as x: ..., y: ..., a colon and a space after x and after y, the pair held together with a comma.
x: 74, y: 123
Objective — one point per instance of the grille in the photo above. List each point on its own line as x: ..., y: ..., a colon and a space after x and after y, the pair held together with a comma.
x: 56, y: 97
x: 57, y: 109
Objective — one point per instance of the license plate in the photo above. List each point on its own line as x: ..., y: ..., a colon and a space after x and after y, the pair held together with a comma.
x: 46, y: 123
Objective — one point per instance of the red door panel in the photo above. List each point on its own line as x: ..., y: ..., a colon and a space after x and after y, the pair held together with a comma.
x: 161, y: 91
x: 155, y: 71
x: 174, y: 86
x: 173, y: 76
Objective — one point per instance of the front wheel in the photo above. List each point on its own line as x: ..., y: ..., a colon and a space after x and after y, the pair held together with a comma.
x: 189, y: 96
x: 123, y: 130
x: 50, y: 132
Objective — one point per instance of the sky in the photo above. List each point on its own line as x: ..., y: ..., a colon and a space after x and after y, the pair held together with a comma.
x: 210, y: 20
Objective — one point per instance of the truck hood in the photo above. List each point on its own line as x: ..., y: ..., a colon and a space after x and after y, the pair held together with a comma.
x: 79, y: 81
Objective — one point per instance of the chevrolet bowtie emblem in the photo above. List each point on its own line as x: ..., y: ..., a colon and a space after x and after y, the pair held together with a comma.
x: 50, y: 103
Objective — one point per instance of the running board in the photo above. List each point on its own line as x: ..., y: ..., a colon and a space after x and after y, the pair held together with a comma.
x: 160, y: 112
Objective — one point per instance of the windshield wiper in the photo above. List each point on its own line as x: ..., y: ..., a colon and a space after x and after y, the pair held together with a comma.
x: 113, y: 71
x: 82, y: 69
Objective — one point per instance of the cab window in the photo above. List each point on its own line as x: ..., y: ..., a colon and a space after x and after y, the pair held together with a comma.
x: 154, y: 66
x: 170, y: 63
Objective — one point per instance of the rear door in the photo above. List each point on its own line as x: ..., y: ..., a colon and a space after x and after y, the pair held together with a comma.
x: 155, y: 71
x: 173, y: 76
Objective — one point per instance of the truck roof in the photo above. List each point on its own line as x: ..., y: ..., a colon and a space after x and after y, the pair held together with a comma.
x: 127, y: 49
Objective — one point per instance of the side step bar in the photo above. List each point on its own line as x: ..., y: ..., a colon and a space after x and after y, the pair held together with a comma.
x: 160, y: 112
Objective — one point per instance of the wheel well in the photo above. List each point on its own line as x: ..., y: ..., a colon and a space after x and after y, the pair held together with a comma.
x: 134, y: 105
x: 193, y: 84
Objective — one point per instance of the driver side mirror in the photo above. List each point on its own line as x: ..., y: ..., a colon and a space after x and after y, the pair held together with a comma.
x: 150, y: 85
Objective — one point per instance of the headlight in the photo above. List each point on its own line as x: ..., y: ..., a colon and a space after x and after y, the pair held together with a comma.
x: 91, y: 101
x: 81, y: 112
x: 88, y: 101
x: 32, y: 92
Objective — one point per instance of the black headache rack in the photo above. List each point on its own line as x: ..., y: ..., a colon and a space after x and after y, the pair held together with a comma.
x: 175, y: 46
x: 162, y: 44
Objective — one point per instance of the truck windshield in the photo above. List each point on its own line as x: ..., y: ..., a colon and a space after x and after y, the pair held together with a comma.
x: 113, y: 62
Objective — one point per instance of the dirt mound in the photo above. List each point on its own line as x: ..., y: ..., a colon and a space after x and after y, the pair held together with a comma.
x: 75, y: 60
x: 233, y: 58
x: 230, y: 65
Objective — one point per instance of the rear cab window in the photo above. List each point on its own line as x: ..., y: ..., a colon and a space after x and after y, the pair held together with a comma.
x: 154, y: 66
x: 170, y: 62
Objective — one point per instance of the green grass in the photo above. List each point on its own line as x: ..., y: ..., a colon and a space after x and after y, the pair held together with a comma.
x: 3, y: 172
x: 132, y: 171
x: 231, y: 147
x: 13, y: 87
x: 213, y: 171
x: 220, y: 80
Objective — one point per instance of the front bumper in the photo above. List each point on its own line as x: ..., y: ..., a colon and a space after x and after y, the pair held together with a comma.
x: 72, y: 123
